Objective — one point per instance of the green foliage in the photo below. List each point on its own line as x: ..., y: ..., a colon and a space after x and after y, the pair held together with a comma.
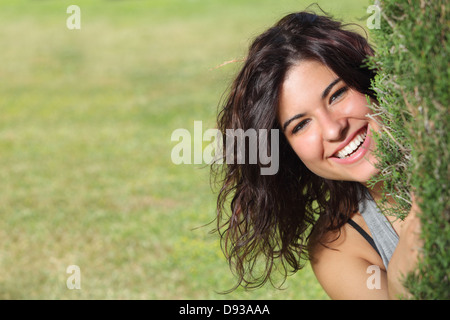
x: 412, y: 89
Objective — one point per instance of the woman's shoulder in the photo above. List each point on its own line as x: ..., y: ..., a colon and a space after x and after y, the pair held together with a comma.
x: 345, y: 241
x: 335, y: 243
x: 340, y: 260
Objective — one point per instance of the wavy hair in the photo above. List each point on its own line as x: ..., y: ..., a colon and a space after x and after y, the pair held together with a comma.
x: 270, y: 222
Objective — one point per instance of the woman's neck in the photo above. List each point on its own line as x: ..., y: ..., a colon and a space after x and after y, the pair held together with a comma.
x: 377, y: 192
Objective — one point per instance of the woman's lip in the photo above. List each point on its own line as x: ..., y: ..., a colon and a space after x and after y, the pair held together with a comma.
x: 349, y: 139
x: 358, y: 154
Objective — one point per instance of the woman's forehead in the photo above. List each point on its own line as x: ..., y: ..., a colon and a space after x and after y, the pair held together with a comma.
x: 305, y: 81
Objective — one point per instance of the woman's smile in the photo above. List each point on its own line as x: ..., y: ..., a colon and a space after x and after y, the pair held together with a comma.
x: 354, y: 148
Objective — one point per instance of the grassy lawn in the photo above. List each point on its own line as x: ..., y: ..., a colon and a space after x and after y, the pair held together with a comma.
x: 86, y: 118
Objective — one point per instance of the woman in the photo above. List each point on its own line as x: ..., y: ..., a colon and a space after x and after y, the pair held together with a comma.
x: 306, y: 77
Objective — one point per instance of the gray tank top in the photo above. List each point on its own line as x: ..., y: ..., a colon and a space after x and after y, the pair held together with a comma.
x: 383, y: 233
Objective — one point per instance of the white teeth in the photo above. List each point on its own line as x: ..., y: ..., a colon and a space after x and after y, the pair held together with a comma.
x: 352, y: 146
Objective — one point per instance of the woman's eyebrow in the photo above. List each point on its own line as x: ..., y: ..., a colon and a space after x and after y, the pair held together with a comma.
x: 324, y: 95
x: 292, y: 119
x: 330, y: 86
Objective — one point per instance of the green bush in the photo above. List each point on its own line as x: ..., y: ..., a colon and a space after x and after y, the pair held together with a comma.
x: 412, y: 48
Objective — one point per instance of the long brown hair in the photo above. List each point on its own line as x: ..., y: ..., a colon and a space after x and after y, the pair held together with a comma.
x: 275, y: 219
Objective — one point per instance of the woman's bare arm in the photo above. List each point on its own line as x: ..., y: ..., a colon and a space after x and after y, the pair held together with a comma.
x: 347, y: 268
x: 405, y: 256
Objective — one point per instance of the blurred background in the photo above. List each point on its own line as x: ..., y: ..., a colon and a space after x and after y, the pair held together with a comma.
x: 86, y: 118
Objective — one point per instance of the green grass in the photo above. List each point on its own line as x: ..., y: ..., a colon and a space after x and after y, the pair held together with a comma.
x: 86, y: 118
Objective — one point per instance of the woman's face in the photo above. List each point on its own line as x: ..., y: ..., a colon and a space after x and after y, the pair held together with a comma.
x: 325, y: 122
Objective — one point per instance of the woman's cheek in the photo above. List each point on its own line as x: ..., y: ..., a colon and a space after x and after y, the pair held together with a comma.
x: 354, y: 105
x: 309, y: 150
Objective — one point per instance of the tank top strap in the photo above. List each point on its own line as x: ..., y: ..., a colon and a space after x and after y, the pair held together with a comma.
x: 384, y: 235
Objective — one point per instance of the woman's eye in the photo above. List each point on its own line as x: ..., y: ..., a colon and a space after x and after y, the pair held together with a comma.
x: 301, y: 125
x: 338, y: 94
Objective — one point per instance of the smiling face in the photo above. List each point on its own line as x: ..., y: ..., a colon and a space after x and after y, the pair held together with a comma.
x: 326, y: 123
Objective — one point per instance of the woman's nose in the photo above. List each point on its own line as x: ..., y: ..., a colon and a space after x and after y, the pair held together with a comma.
x: 333, y: 128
